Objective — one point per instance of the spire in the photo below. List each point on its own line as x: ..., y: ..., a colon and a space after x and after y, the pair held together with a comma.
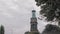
x: 33, y: 14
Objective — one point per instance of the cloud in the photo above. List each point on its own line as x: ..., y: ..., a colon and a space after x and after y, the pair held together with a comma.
x: 15, y: 15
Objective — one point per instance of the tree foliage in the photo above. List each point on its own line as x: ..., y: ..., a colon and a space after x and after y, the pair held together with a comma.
x: 50, y: 9
x: 51, y: 29
x: 2, y: 29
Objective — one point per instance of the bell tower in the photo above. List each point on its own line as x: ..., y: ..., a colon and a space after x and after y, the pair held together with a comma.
x: 33, y: 21
x: 33, y: 24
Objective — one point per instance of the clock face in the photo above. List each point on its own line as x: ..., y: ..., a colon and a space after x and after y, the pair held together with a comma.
x: 33, y: 20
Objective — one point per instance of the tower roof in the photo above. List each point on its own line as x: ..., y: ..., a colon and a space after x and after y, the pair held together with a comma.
x: 33, y: 11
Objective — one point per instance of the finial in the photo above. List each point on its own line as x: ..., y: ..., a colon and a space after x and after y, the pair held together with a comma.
x: 33, y: 8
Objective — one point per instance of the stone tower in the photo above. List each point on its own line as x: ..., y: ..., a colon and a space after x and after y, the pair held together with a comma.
x: 33, y: 23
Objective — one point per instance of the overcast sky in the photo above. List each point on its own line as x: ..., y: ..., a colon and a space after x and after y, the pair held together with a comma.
x: 15, y: 16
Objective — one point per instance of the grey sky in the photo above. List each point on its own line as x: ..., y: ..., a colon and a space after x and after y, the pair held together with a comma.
x: 15, y: 16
